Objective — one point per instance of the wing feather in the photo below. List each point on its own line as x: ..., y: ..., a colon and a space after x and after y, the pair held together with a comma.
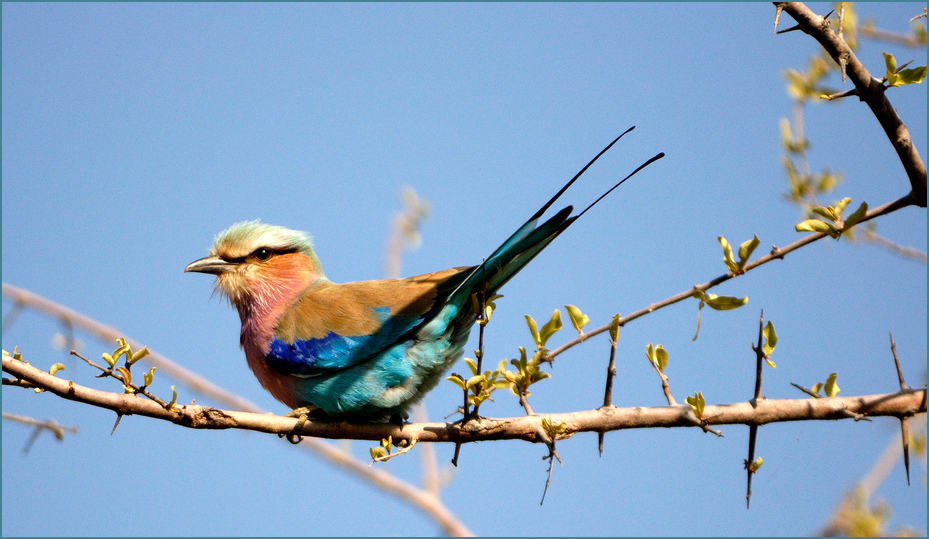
x: 332, y: 327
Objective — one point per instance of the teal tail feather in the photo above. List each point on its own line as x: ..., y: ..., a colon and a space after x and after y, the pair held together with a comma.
x: 530, y: 239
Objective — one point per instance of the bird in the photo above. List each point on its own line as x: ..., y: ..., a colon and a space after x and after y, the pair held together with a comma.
x: 360, y: 351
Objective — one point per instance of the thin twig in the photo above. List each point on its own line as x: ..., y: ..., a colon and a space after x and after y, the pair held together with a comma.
x: 807, y: 391
x: 902, y: 250
x: 12, y: 315
x: 905, y: 433
x: 753, y: 429
x: 759, y: 357
x: 839, y: 95
x: 389, y: 456
x: 665, y: 387
x: 608, y: 391
x: 752, y: 435
x: 908, y: 40
x: 109, y: 372
x: 847, y: 413
x: 775, y: 254
x: 49, y: 424
x: 904, y: 423
x: 524, y: 402
x: 552, y: 455
x: 893, y: 350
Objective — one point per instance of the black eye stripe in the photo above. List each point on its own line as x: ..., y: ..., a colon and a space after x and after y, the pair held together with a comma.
x: 255, y: 254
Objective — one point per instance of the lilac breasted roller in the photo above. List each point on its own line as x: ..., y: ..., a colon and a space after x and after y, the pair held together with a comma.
x: 364, y: 350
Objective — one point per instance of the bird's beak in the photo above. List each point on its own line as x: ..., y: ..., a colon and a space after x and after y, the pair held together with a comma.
x: 211, y: 264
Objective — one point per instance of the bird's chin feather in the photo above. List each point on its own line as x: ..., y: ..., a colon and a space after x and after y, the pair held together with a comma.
x: 254, y: 289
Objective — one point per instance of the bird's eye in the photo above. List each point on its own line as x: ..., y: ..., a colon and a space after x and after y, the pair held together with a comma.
x: 262, y: 254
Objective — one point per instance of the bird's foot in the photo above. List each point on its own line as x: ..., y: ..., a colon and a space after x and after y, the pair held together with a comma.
x: 302, y: 414
x: 398, y: 419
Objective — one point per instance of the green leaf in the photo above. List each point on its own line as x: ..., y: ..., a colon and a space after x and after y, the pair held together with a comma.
x: 770, y: 340
x: 696, y: 403
x: 149, y: 377
x: 755, y: 464
x: 831, y: 388
x: 827, y: 181
x: 108, y: 358
x: 127, y: 378
x: 123, y: 349
x: 855, y: 217
x: 724, y: 303
x: 55, y: 368
x: 787, y: 137
x: 911, y: 76
x: 537, y: 358
x: 828, y: 213
x: 727, y: 255
x: 770, y: 363
x: 745, y: 250
x: 471, y: 365
x: 534, y: 329
x: 614, y: 328
x: 815, y: 389
x: 661, y: 356
x: 699, y: 309
x: 815, y: 225
x: 473, y: 380
x: 550, y: 327
x: 840, y: 207
x: 553, y: 429
x: 578, y: 319
x: 138, y: 355
x: 891, y: 64
x: 455, y: 379
x: 657, y: 355
x: 171, y: 404
x: 538, y: 375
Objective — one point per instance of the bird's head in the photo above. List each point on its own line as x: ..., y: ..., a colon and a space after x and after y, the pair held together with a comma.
x: 259, y: 265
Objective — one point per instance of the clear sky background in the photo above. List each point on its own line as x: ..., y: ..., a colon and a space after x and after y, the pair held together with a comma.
x: 133, y: 133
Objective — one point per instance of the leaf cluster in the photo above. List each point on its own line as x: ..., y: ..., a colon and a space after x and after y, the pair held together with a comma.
x: 832, y: 223
x: 830, y: 388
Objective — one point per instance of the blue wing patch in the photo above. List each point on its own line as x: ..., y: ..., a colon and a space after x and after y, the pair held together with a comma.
x: 332, y: 353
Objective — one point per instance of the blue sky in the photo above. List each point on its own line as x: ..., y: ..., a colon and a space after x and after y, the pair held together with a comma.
x: 133, y: 133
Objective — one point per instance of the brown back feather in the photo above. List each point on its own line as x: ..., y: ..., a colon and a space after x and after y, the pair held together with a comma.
x: 348, y: 309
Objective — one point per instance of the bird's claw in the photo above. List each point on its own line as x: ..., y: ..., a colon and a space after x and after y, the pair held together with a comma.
x: 302, y: 414
x: 398, y: 420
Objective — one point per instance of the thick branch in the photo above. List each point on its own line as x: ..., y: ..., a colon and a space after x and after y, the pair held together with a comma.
x: 528, y: 428
x: 870, y: 90
x: 427, y: 501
